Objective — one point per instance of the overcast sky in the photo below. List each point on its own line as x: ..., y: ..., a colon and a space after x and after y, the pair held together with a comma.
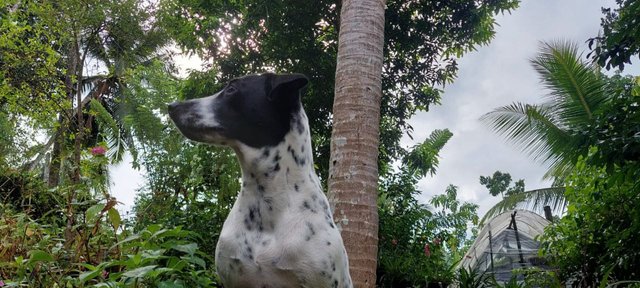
x: 493, y: 76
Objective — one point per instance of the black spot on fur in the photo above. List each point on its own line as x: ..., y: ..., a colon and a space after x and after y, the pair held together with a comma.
x: 299, y: 125
x: 277, y: 158
x: 328, y: 243
x: 248, y: 253
x: 311, y: 232
x: 335, y: 283
x: 261, y: 189
x: 277, y: 167
x: 308, y: 206
x: 295, y: 186
x: 265, y: 153
x: 253, y: 219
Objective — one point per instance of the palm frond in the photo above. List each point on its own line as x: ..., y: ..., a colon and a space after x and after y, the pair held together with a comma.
x: 423, y: 158
x: 533, y: 200
x: 547, y: 131
x: 577, y: 90
x: 90, y: 83
x: 531, y: 128
x: 111, y: 132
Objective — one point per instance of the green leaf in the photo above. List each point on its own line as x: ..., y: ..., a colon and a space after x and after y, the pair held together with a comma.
x: 190, y: 248
x: 39, y: 256
x: 139, y: 272
x: 114, y: 217
x: 196, y: 260
x: 88, y: 275
x: 93, y: 212
x: 170, y: 284
x: 128, y: 239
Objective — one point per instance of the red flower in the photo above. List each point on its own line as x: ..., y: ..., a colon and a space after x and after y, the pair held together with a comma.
x: 98, y: 151
x: 437, y: 241
x: 427, y: 251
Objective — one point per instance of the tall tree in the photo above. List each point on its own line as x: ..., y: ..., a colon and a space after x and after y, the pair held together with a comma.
x: 353, y: 170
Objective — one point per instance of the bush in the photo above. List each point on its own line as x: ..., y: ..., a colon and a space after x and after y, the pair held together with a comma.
x: 104, y: 253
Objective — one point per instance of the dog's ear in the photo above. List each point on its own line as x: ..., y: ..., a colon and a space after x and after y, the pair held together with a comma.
x: 287, y: 85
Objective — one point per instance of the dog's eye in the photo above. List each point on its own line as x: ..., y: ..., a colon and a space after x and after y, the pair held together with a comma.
x: 230, y: 90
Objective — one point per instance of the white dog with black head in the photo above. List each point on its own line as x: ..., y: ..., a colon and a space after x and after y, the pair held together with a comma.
x: 280, y: 231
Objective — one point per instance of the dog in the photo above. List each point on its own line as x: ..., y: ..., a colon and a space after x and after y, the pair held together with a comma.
x: 280, y: 231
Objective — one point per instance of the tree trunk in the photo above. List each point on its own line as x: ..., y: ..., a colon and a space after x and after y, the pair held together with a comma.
x: 54, y: 165
x: 353, y: 171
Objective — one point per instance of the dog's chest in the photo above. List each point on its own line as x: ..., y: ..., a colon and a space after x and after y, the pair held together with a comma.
x: 282, y: 236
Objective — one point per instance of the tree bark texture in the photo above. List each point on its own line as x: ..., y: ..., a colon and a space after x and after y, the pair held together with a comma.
x: 353, y: 171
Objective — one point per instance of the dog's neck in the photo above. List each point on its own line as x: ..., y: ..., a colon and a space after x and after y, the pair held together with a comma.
x: 279, y: 168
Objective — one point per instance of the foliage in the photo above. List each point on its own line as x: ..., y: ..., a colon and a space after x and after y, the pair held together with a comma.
x: 499, y: 184
x: 516, y: 196
x: 423, y: 158
x: 532, y: 200
x: 555, y: 131
x: 468, y: 278
x: 106, y: 253
x: 186, y: 182
x: 107, y: 58
x: 420, y: 244
x: 29, y: 73
x: 26, y: 192
x: 197, y: 182
x: 615, y: 130
x: 596, y: 241
x: 419, y: 53
x: 618, y: 41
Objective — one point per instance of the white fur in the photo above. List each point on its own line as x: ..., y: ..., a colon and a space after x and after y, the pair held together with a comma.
x: 294, y: 246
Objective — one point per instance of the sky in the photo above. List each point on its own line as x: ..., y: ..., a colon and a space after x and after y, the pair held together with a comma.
x: 495, y: 75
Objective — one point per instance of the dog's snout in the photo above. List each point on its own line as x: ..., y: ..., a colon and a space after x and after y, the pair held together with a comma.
x: 172, y: 106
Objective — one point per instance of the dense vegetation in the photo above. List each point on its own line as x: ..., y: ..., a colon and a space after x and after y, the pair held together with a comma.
x: 82, y: 84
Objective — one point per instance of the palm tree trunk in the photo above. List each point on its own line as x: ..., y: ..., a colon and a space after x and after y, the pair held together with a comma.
x: 353, y: 171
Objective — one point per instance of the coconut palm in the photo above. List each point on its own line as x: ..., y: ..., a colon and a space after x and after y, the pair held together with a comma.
x: 355, y: 137
x: 118, y: 38
x: 550, y: 132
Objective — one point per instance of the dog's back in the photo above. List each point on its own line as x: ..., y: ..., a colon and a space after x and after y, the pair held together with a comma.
x: 280, y: 231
